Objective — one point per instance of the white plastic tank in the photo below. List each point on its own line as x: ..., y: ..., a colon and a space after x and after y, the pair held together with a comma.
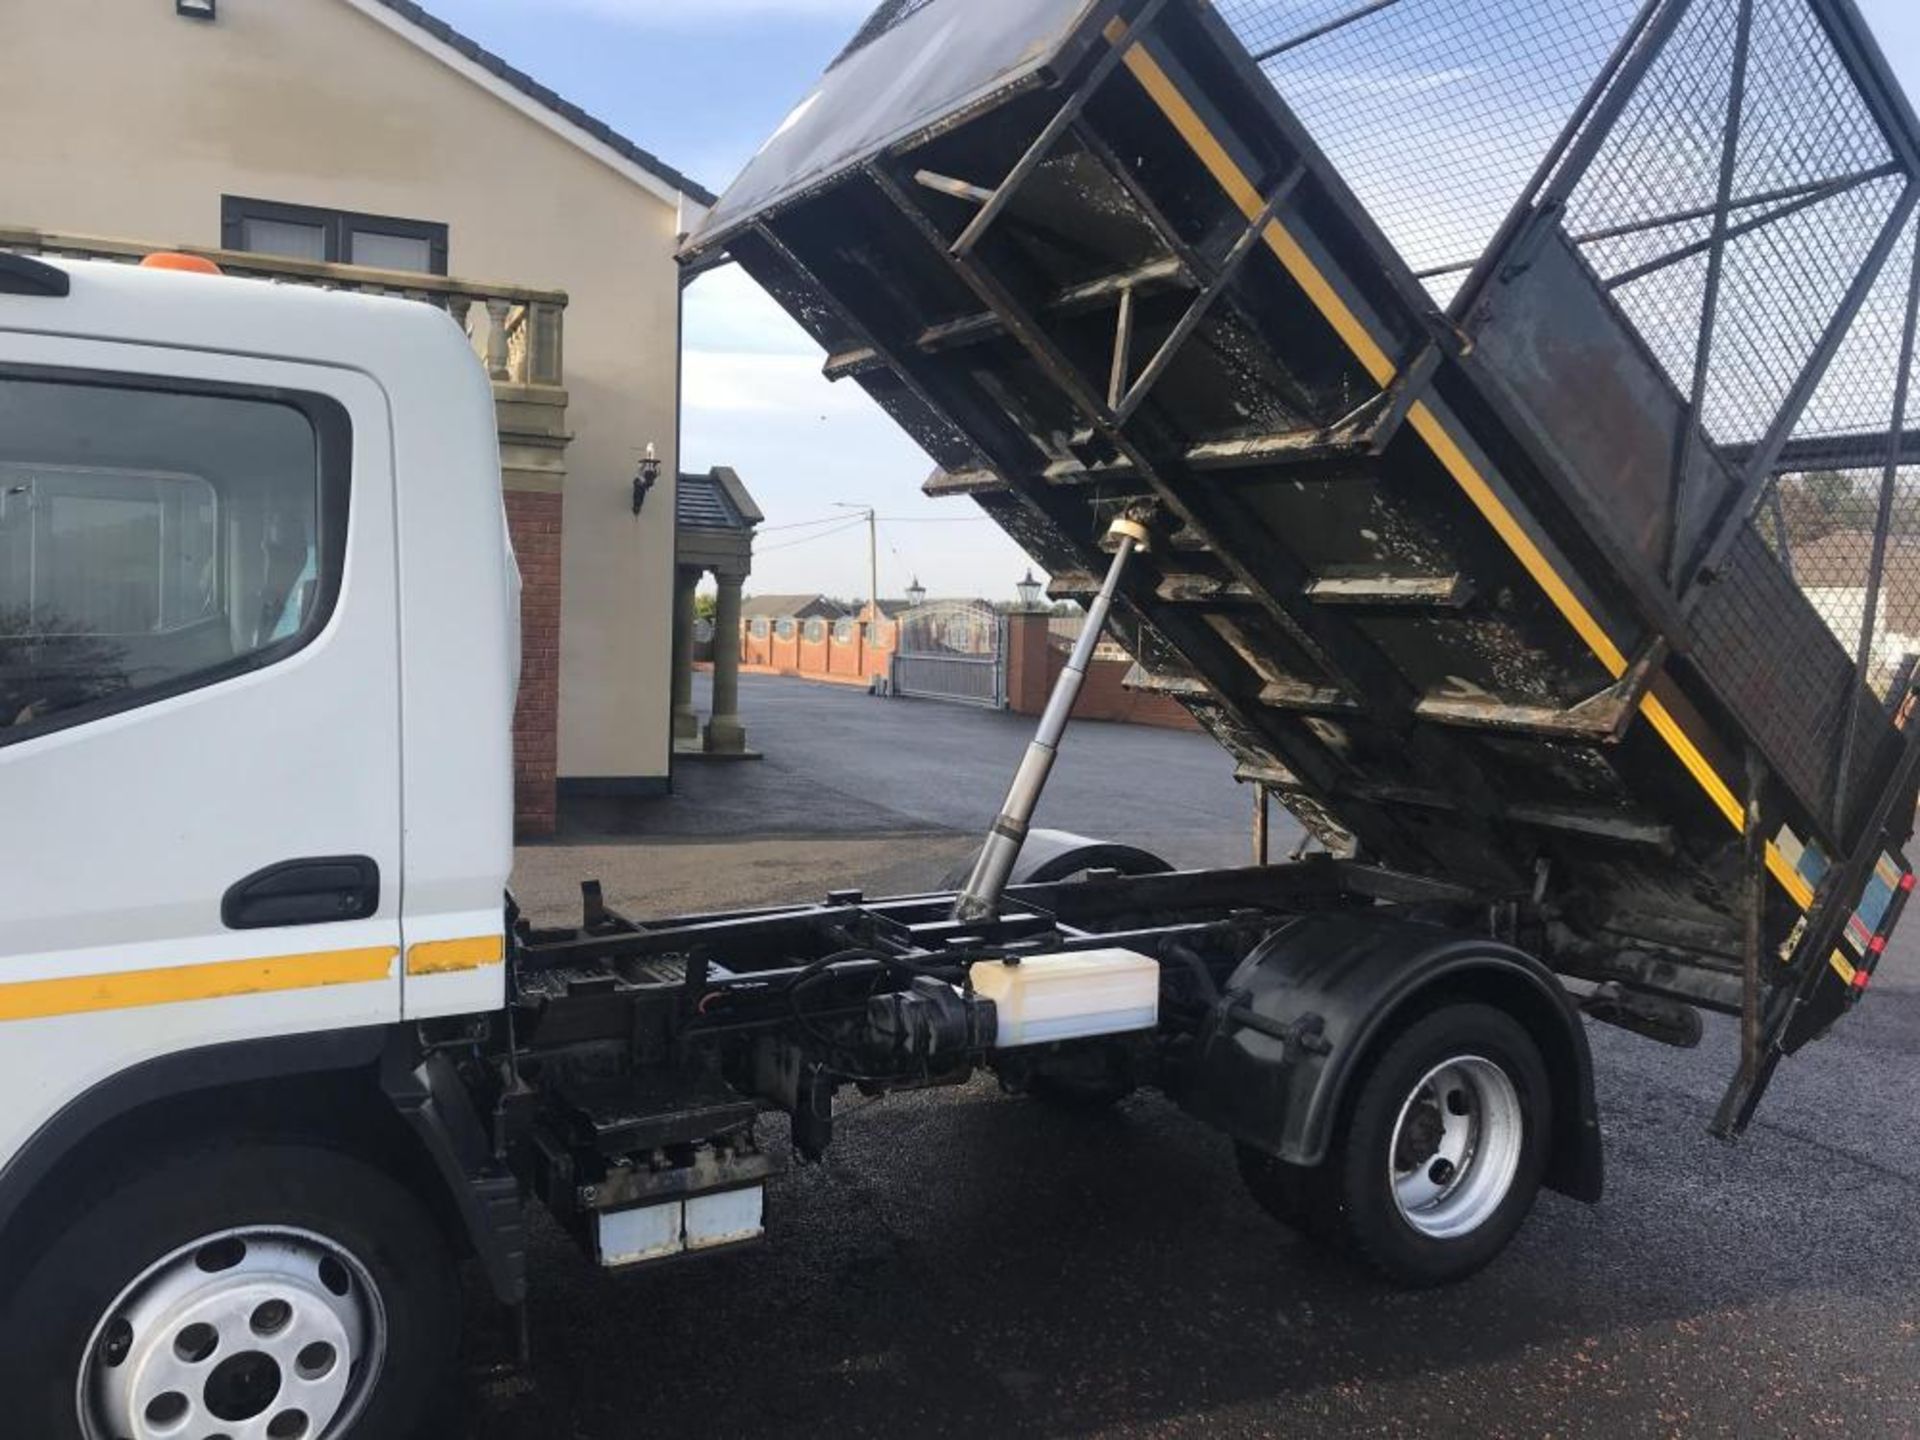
x: 1043, y: 999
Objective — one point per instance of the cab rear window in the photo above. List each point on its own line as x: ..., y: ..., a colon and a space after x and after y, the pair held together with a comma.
x: 153, y: 540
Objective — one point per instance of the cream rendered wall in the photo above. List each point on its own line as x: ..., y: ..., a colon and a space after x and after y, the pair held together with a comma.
x: 126, y: 120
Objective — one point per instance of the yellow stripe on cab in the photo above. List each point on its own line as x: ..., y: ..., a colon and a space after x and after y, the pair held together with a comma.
x: 448, y: 957
x: 179, y: 984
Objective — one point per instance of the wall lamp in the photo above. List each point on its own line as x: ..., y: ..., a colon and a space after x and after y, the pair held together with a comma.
x: 645, y: 478
x: 195, y: 9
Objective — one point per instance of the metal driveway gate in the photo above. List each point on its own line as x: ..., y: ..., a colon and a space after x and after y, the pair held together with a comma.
x: 952, y: 650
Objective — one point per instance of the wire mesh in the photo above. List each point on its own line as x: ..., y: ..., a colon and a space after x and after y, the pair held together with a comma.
x: 1809, y: 189
x: 1731, y: 207
x: 1734, y: 211
x: 1827, y: 518
x: 1435, y: 111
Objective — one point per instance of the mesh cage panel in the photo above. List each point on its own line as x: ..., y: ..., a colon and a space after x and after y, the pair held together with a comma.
x: 1438, y: 112
x: 1734, y: 194
x: 1857, y: 394
x: 1823, y: 509
x: 1435, y: 111
x: 1810, y: 189
x: 1823, y: 527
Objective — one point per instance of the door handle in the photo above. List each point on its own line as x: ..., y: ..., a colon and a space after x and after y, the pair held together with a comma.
x: 303, y: 892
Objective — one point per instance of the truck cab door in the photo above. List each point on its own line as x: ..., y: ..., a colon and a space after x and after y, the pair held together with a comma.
x: 199, y: 709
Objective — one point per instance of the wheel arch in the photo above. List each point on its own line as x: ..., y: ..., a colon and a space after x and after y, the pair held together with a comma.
x: 1306, y: 1011
x: 365, y: 1090
x: 1050, y: 855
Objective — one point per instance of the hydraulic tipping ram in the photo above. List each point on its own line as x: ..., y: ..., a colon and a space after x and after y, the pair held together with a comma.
x: 980, y: 898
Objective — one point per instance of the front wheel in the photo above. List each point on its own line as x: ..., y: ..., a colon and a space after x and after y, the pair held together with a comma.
x: 249, y: 1292
x: 1440, y: 1153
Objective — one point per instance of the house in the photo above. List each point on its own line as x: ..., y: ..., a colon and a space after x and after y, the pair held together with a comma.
x: 790, y: 607
x: 1833, y: 572
x: 364, y: 144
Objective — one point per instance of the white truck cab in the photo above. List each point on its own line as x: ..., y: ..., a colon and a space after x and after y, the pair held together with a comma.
x: 254, y: 772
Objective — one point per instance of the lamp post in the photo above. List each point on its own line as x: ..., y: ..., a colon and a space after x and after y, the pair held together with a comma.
x: 873, y: 554
x: 916, y: 592
x: 1029, y: 591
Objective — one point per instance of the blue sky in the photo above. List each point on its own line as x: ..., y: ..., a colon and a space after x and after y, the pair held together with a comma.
x: 702, y: 83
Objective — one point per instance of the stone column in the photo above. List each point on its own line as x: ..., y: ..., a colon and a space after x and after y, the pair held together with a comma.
x: 725, y: 734
x: 686, y: 723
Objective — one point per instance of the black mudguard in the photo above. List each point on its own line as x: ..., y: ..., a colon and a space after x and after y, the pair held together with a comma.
x: 1049, y: 855
x: 1291, y: 1034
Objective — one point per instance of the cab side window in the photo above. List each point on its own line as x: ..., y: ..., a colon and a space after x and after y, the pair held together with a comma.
x: 154, y: 540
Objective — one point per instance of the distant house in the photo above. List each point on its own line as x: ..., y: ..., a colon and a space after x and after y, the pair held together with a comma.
x: 790, y: 607
x: 1833, y: 571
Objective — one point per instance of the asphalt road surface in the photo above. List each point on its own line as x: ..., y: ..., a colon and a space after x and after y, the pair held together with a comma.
x: 970, y: 1264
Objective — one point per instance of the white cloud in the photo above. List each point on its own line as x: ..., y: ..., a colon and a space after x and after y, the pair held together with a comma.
x: 727, y: 311
x: 785, y: 387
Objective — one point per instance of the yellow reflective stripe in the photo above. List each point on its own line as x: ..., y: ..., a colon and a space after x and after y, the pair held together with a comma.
x: 1724, y: 800
x: 1447, y: 450
x: 1240, y: 190
x: 174, y: 985
x: 444, y: 957
x: 1842, y: 967
x: 1213, y: 155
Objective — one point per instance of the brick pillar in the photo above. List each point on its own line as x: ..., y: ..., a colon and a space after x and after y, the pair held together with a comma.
x: 1028, y: 680
x: 533, y: 519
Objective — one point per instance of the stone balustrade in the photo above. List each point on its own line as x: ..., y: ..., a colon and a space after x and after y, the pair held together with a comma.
x: 517, y: 332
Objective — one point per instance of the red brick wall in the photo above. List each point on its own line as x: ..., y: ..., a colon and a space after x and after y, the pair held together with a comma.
x: 854, y: 659
x: 755, y: 649
x: 1034, y: 664
x: 534, y: 521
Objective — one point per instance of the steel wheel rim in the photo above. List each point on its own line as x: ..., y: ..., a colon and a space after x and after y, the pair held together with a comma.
x: 1456, y: 1147
x: 260, y: 1332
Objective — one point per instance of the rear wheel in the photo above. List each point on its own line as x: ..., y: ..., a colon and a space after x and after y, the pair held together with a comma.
x: 1439, y: 1156
x: 249, y: 1292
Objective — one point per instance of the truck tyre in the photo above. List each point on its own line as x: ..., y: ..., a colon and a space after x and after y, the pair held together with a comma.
x: 1439, y: 1156
x: 250, y: 1289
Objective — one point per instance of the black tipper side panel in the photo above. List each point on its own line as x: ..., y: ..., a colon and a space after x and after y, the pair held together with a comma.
x: 1461, y: 563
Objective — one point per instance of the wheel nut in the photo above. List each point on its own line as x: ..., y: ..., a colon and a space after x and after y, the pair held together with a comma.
x: 1441, y: 1172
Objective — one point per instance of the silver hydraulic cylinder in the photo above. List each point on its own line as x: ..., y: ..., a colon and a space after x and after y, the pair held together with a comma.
x: 979, y: 899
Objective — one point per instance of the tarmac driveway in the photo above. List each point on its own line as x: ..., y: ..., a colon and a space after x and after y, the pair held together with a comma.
x: 969, y: 1264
